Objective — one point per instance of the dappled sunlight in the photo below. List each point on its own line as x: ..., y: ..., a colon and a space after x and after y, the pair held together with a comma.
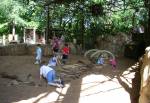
x: 106, y: 89
x: 92, y: 88
x: 32, y: 99
x: 99, y: 88
x: 128, y: 75
x: 48, y: 97
x: 128, y: 82
x: 98, y: 85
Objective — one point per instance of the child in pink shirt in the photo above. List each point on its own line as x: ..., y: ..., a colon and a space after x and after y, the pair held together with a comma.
x: 113, y: 63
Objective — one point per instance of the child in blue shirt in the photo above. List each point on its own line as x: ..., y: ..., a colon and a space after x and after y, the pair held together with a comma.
x: 53, y: 61
x: 38, y: 54
x: 100, y: 60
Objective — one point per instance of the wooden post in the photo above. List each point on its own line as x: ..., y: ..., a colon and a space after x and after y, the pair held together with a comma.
x: 44, y: 38
x: 24, y: 35
x: 34, y: 35
x: 4, y: 40
x: 47, y: 29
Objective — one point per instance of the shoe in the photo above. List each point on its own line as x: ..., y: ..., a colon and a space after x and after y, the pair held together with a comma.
x: 61, y: 86
x: 62, y: 82
x: 36, y: 62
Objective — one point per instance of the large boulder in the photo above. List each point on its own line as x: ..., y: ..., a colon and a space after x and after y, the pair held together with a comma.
x: 114, y: 44
x: 145, y: 78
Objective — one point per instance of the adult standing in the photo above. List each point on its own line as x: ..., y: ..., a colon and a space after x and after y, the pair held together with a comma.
x: 55, y: 45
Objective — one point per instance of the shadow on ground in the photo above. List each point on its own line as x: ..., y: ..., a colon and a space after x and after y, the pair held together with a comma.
x: 100, y: 84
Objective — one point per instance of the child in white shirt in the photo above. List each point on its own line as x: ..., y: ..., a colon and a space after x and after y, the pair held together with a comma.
x: 50, y: 75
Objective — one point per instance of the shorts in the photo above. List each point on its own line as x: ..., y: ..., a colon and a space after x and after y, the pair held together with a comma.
x: 65, y: 57
x: 55, y: 49
x: 51, y: 76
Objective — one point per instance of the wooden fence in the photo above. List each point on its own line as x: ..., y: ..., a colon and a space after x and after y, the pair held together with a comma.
x: 23, y: 49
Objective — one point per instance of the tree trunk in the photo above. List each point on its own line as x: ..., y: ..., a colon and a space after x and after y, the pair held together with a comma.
x: 147, y: 31
x: 60, y: 23
x: 82, y: 31
x: 47, y: 30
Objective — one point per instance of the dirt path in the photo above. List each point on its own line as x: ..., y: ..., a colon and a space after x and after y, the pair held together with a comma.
x: 98, y: 85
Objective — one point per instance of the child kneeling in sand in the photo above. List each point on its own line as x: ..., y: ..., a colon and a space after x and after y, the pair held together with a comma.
x: 50, y: 75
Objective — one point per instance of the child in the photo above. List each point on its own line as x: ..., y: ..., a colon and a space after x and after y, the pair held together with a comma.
x: 100, y: 60
x: 65, y: 53
x: 49, y: 74
x: 113, y: 63
x: 55, y: 45
x: 53, y: 61
x: 38, y: 54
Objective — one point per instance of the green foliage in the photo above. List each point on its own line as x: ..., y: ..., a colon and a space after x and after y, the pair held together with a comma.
x: 3, y: 28
x: 122, y: 21
x: 11, y: 11
x: 74, y: 16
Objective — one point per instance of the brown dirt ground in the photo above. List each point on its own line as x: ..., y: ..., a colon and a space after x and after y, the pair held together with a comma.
x: 22, y: 93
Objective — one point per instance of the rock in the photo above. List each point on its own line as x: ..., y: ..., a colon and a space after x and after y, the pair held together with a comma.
x: 9, y: 76
x: 13, y: 82
x: 30, y: 78
x: 30, y: 83
x: 22, y: 77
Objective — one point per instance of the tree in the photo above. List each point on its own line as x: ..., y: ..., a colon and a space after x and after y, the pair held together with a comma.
x: 79, y: 18
x: 147, y: 26
x: 11, y: 13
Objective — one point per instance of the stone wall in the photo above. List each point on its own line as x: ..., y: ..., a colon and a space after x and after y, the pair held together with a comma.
x: 114, y: 44
x: 23, y: 49
x: 145, y: 77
